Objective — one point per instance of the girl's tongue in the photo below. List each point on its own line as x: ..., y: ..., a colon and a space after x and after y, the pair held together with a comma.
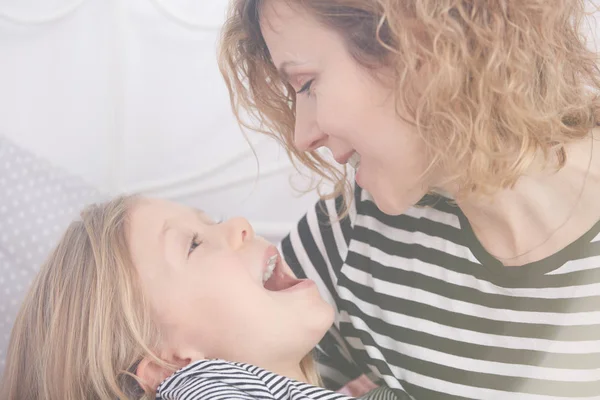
x: 280, y: 281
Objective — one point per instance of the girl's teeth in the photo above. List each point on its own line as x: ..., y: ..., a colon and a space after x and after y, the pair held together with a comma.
x: 354, y: 160
x: 270, y: 268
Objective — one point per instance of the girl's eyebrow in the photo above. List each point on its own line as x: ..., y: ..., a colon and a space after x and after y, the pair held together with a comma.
x: 203, y: 217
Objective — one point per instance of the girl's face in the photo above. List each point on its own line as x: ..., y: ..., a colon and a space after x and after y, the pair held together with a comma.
x: 205, y: 281
x: 341, y: 105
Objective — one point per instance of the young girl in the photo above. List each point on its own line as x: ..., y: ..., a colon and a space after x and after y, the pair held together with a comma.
x: 140, y: 288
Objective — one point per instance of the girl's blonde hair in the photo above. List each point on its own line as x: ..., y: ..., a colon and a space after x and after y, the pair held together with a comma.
x: 85, y: 324
x: 506, y: 79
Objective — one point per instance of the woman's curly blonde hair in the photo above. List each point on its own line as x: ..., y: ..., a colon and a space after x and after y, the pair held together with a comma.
x: 506, y: 79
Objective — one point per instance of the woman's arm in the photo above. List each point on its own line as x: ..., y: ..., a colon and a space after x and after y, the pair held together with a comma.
x: 316, y: 249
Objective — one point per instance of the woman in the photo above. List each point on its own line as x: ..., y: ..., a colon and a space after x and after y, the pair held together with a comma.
x: 140, y: 288
x: 485, y: 113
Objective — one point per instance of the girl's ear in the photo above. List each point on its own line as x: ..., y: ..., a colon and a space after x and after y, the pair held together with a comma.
x: 151, y: 373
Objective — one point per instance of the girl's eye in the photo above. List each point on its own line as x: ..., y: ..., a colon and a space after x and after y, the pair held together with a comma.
x: 306, y: 87
x: 195, y: 242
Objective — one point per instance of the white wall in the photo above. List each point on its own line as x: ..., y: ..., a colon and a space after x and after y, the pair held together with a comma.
x: 127, y: 94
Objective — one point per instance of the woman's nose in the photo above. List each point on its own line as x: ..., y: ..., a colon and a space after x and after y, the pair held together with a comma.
x: 307, y: 134
x: 238, y: 231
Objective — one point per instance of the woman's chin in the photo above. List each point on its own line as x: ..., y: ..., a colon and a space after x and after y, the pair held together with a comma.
x: 396, y: 202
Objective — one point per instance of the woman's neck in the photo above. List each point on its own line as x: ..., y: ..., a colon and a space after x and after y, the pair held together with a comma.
x: 544, y: 212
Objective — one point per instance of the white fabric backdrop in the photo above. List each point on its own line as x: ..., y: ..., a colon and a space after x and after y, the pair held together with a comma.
x: 127, y: 94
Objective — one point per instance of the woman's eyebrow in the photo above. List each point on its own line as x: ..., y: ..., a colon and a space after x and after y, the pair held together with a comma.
x: 283, y: 69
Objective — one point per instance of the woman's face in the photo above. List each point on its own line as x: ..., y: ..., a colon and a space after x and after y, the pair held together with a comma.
x: 205, y: 283
x: 341, y: 105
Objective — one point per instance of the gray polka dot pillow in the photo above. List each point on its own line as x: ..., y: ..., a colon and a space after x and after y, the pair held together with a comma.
x: 37, y: 202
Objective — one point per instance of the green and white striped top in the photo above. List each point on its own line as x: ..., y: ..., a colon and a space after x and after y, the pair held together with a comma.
x: 422, y: 307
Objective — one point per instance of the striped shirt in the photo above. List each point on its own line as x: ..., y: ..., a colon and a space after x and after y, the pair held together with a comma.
x: 423, y: 308
x: 224, y: 380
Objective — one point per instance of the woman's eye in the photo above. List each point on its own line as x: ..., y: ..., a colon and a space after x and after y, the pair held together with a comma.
x: 306, y: 87
x: 194, y: 244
